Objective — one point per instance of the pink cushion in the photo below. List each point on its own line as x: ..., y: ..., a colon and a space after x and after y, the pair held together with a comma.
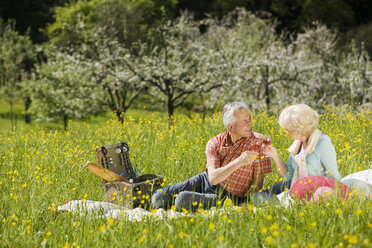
x: 305, y: 188
x: 322, y: 193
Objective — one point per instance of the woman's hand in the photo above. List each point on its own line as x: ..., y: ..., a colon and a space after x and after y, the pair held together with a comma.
x: 273, y: 153
x: 270, y: 151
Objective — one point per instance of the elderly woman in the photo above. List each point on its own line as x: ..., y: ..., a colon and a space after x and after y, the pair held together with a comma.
x: 311, y: 154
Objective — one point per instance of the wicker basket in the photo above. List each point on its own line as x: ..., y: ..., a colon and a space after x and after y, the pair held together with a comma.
x: 137, y: 191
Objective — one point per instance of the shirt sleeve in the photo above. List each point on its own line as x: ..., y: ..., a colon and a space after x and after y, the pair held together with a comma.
x: 327, y: 155
x: 290, y: 170
x: 212, y: 154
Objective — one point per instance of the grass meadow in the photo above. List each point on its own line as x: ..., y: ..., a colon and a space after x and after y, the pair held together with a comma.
x: 41, y: 168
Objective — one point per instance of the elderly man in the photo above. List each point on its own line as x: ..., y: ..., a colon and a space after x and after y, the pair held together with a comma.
x: 235, y: 165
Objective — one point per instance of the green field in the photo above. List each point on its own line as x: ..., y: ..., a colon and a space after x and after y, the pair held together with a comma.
x: 43, y: 167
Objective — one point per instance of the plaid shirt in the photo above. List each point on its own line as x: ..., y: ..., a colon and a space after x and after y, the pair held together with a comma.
x: 220, y: 153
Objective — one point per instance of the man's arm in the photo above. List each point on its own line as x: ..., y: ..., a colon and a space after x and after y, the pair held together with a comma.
x: 219, y: 174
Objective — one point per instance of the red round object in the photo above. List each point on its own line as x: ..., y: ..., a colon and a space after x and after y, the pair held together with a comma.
x: 304, y: 188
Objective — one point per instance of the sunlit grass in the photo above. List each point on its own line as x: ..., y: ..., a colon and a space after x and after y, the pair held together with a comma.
x: 41, y: 169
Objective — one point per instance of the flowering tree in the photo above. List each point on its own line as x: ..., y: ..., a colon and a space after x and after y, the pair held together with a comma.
x: 259, y: 67
x: 356, y: 76
x: 335, y: 78
x: 269, y: 70
x: 104, y: 54
x: 176, y: 68
x: 317, y: 46
x: 60, y: 90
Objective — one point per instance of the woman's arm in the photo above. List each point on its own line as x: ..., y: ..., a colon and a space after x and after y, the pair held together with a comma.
x: 327, y: 155
x: 280, y: 166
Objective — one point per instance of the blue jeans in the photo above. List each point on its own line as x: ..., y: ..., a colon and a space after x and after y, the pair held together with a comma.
x: 197, y: 192
x: 278, y: 187
x: 268, y: 195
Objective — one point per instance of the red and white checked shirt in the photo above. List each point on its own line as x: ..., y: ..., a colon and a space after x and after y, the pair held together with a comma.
x: 220, y: 152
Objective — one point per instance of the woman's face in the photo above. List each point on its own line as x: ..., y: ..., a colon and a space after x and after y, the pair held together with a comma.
x: 296, y: 135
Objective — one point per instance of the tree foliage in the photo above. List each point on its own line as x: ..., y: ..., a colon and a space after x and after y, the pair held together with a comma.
x: 16, y: 58
x: 131, y: 18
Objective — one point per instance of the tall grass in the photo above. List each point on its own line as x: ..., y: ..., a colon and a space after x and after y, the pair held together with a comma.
x: 41, y: 169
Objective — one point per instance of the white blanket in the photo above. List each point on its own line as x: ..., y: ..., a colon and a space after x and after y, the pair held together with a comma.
x: 360, y: 182
x: 105, y: 209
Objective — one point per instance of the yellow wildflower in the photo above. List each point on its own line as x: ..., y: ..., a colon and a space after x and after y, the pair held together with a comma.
x: 353, y: 240
x: 140, y: 240
x: 269, y: 240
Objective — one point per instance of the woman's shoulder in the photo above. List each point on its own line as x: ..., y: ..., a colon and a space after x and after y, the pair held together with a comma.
x: 324, y: 138
x: 324, y: 141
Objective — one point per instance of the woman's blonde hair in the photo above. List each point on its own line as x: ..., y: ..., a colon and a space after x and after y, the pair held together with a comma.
x: 299, y: 117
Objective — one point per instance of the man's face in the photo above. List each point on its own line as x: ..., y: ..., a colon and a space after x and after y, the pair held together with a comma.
x: 243, y: 124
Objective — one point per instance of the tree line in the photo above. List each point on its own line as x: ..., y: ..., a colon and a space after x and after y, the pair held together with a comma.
x: 101, y: 54
x: 347, y: 15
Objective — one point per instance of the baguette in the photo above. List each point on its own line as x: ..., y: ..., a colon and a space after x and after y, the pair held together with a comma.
x: 104, y: 173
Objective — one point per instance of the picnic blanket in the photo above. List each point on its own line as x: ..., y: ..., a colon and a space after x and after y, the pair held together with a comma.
x: 105, y: 209
x: 360, y: 182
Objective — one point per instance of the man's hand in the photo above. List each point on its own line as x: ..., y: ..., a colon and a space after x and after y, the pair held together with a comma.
x: 217, y: 175
x: 247, y: 157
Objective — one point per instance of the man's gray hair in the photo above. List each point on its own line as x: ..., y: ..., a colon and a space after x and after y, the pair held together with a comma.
x: 228, y: 112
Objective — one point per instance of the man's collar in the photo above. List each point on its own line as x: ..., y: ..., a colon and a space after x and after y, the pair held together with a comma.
x: 229, y: 142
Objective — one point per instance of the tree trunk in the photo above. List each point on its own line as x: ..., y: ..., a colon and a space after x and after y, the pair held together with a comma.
x: 65, y: 122
x: 266, y: 85
x: 11, y: 114
x: 27, y: 107
x: 170, y: 112
x: 120, y: 116
x: 267, y: 96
